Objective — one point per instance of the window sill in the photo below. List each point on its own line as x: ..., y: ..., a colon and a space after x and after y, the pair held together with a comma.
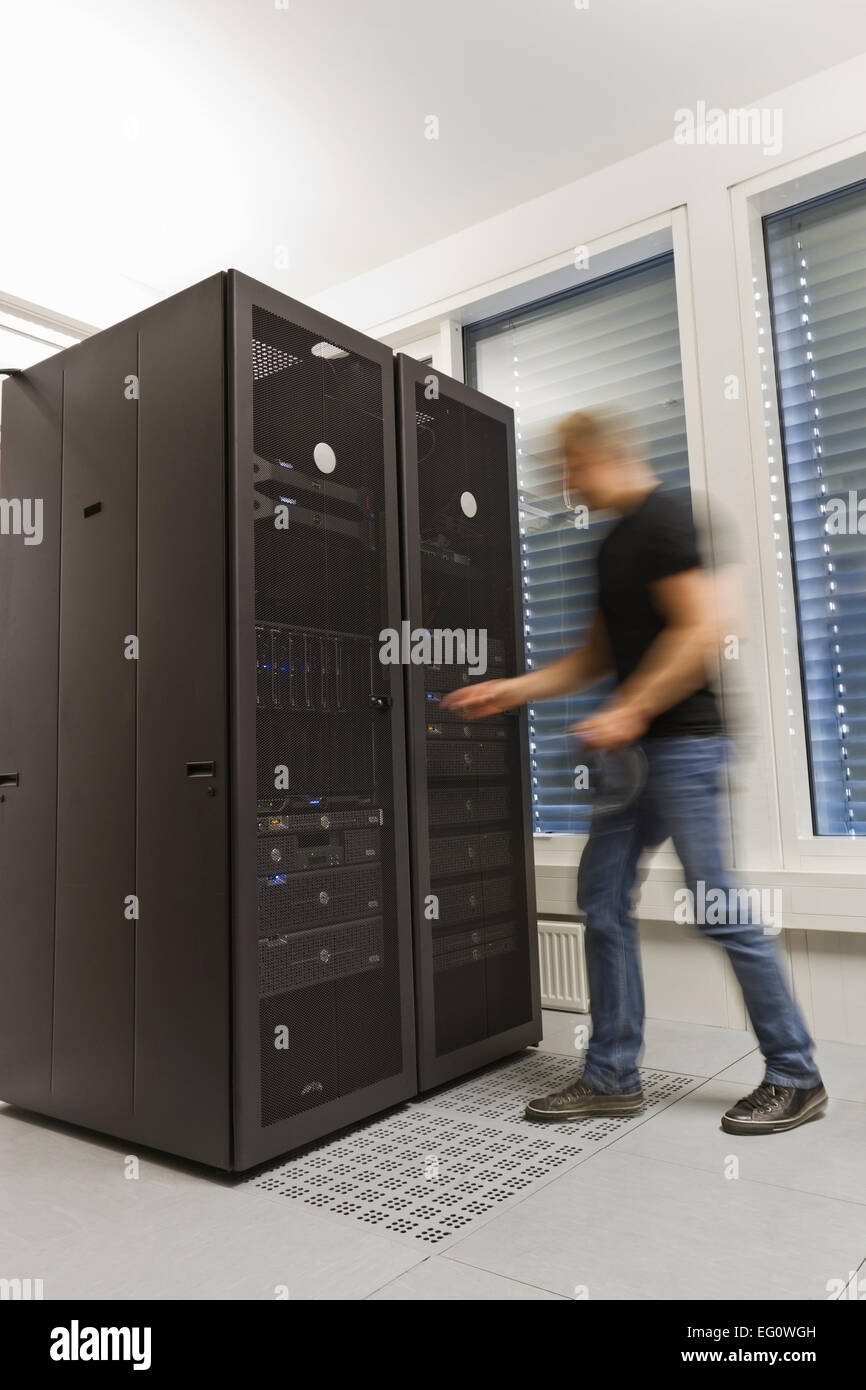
x: 809, y: 900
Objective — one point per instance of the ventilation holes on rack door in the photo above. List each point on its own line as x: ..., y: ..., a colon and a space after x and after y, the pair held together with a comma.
x: 268, y: 360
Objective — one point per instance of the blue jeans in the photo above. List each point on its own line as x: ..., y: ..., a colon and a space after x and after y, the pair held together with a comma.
x: 680, y: 799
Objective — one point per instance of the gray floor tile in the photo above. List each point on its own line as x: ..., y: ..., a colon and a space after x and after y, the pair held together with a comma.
x: 564, y: 1033
x: 843, y: 1067
x: 669, y: 1046
x: 634, y: 1208
x: 855, y: 1287
x: 442, y: 1280
x: 689, y: 1047
x: 16, y: 1251
x: 825, y: 1156
x: 220, y: 1246
x: 54, y: 1190
x: 625, y: 1226
x: 36, y: 1144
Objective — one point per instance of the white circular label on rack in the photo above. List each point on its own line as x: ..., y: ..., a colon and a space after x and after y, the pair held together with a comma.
x: 468, y: 504
x: 324, y: 458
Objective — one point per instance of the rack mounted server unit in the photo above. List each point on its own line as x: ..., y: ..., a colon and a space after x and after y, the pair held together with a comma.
x: 476, y: 948
x: 205, y: 941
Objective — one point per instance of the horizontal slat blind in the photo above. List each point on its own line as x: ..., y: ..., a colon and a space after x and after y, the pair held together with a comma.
x: 612, y: 342
x: 816, y: 257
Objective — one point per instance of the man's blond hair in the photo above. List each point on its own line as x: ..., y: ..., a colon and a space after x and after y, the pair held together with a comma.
x: 598, y: 427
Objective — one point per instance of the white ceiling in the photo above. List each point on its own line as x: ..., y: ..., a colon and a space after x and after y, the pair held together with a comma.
x: 147, y: 143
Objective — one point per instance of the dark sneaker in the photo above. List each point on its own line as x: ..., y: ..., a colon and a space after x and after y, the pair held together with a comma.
x: 770, y: 1109
x: 580, y: 1101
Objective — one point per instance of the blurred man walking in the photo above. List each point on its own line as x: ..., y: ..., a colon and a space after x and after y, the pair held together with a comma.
x: 655, y: 629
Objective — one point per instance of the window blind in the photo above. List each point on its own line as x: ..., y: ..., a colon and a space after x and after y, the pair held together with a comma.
x: 816, y: 258
x: 614, y: 341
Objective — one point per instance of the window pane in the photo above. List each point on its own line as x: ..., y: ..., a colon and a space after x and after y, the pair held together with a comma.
x: 612, y: 342
x: 816, y: 256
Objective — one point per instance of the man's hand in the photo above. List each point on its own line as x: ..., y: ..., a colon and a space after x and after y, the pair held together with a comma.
x: 614, y: 726
x: 479, y: 701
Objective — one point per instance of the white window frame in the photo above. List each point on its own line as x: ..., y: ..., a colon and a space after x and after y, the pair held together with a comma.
x: 38, y: 318
x: 626, y: 247
x: 52, y: 331
x: 751, y: 201
x: 421, y: 348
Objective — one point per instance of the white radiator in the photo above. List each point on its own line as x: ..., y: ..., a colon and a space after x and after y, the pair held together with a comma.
x: 564, y: 983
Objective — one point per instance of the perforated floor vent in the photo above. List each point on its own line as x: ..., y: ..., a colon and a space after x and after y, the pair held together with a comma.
x: 435, y: 1169
x: 500, y: 1095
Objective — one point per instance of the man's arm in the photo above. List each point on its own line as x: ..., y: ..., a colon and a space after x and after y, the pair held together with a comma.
x: 572, y: 672
x: 673, y: 667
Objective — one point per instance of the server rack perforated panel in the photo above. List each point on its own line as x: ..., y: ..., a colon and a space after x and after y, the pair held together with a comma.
x: 322, y: 932
x: 473, y: 878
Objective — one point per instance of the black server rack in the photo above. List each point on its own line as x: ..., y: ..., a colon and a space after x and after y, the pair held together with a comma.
x: 473, y: 885
x: 205, y: 943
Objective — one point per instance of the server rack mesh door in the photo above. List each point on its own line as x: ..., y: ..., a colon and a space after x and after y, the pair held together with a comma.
x: 327, y: 915
x: 476, y: 875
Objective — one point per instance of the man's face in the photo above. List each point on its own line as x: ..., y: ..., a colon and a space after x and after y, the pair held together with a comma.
x: 590, y: 475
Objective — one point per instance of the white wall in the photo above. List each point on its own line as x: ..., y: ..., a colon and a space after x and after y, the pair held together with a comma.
x: 819, y: 113
x: 700, y: 191
x: 405, y: 299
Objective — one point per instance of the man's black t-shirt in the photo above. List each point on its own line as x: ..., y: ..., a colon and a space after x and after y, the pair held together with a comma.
x: 657, y: 539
